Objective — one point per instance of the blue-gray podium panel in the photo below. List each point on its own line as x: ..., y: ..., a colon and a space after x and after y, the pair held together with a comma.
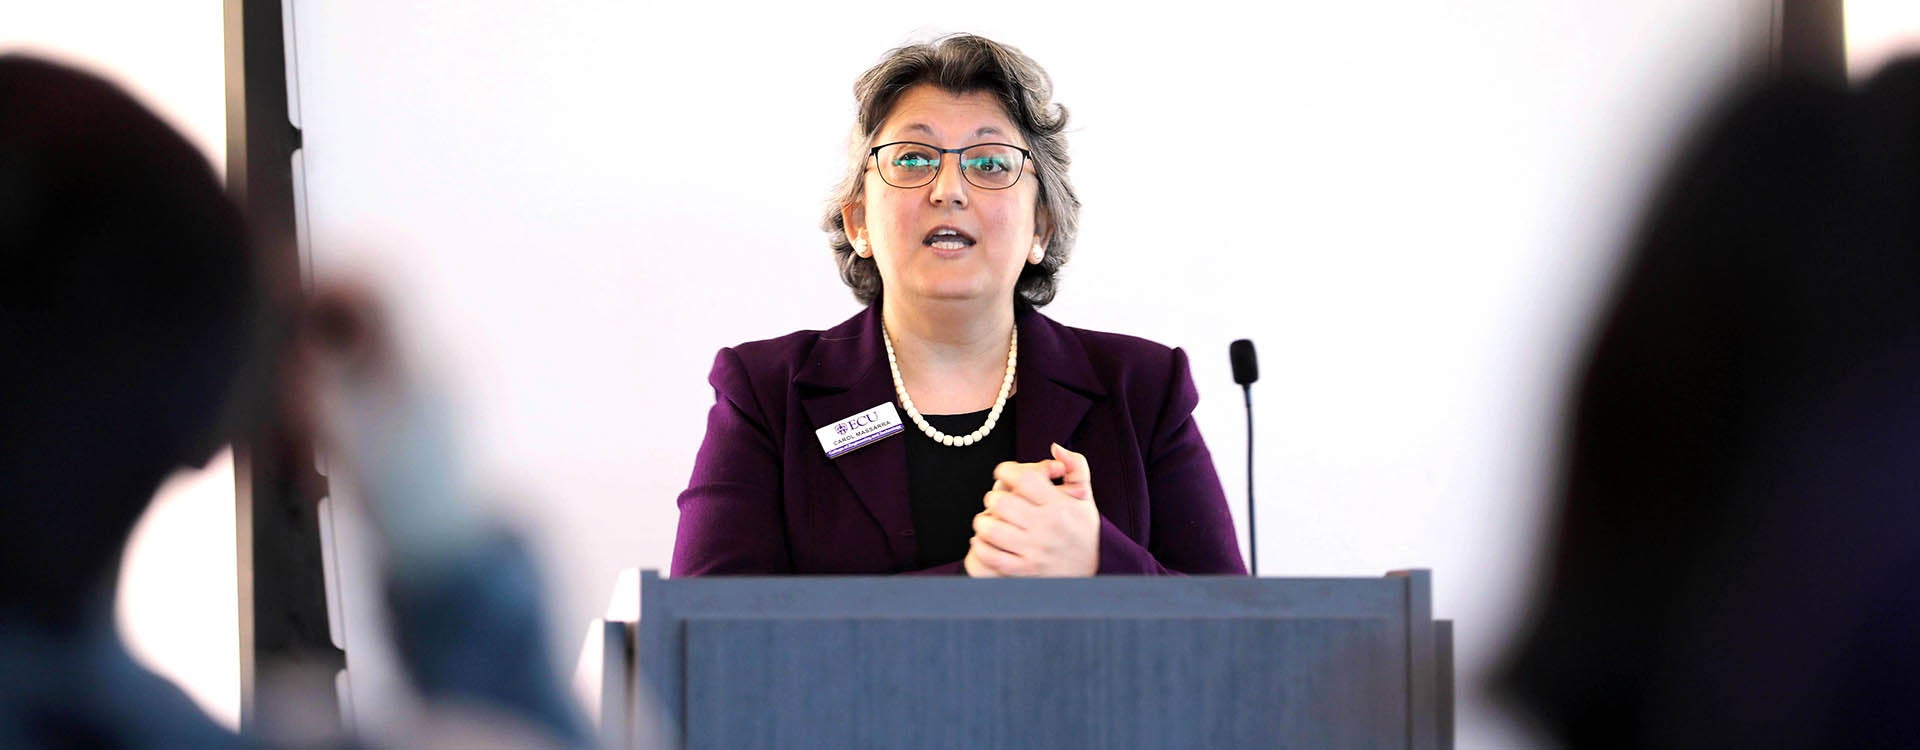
x: 1041, y: 683
x: 1094, y: 663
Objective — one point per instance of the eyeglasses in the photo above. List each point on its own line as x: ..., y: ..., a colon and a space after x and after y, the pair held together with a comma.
x: 989, y: 166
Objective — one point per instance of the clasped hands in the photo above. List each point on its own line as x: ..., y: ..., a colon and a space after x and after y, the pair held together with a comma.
x: 1034, y: 527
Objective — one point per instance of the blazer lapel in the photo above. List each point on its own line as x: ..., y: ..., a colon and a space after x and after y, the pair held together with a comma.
x: 843, y: 377
x: 1056, y: 386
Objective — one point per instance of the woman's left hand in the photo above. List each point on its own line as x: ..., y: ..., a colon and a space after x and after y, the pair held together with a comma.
x: 1033, y: 527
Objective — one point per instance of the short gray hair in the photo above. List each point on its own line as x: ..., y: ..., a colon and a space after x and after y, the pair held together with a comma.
x: 964, y: 63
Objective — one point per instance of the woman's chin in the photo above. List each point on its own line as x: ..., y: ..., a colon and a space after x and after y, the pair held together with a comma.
x: 956, y: 292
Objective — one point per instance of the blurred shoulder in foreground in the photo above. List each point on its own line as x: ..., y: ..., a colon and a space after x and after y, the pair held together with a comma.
x: 1736, y: 555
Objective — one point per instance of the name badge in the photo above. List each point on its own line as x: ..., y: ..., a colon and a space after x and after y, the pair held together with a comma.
x: 860, y: 430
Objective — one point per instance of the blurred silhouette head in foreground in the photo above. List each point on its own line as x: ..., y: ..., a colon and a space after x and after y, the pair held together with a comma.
x: 130, y: 317
x: 1736, y: 558
x: 139, y: 333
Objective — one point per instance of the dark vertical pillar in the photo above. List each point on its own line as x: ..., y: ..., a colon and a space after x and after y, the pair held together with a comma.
x: 283, y: 601
x: 1812, y: 40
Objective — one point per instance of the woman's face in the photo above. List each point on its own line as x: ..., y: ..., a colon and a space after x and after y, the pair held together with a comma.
x: 997, y: 229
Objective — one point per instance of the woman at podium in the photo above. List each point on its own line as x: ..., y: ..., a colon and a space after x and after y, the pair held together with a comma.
x: 950, y: 427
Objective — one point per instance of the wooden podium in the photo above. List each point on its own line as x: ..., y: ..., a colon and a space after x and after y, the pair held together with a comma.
x: 1116, y: 662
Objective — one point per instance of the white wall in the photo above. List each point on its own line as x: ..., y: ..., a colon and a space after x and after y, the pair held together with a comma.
x: 1878, y: 31
x: 1411, y: 207
x: 178, y: 607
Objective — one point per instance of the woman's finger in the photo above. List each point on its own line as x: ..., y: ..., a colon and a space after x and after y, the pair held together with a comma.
x: 1076, y: 473
x: 1036, y: 486
x: 1005, y: 536
x: 997, y: 560
x: 1010, y: 509
x: 976, y: 568
x: 1009, y: 472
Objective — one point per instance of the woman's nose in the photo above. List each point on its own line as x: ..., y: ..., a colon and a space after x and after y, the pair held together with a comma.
x: 949, y: 186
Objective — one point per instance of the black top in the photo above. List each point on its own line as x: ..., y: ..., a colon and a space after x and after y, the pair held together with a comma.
x: 947, y: 483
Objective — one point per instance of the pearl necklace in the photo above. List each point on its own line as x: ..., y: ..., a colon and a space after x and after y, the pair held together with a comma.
x: 1006, y: 389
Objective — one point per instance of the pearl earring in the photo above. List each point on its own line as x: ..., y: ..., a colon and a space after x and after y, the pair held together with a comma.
x: 1039, y: 253
x: 860, y: 248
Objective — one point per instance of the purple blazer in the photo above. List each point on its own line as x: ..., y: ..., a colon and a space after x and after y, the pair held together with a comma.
x: 765, y: 499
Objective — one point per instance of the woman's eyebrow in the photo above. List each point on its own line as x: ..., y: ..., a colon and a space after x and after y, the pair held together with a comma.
x: 919, y: 127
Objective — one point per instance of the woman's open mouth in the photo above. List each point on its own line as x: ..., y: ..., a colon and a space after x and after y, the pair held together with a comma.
x: 947, y: 238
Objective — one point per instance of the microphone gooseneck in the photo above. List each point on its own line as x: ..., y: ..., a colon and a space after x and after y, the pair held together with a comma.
x: 1246, y: 369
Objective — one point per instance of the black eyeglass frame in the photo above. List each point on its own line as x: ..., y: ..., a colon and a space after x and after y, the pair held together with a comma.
x: 1026, y: 158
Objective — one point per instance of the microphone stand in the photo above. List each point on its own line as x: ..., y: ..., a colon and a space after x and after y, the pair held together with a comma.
x: 1253, y: 538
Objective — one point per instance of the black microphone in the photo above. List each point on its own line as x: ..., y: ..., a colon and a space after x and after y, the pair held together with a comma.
x: 1246, y: 369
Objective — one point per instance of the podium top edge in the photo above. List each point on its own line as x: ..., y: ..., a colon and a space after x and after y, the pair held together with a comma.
x: 654, y: 574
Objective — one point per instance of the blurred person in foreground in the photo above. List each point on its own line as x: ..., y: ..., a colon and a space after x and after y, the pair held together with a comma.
x: 138, y: 334
x: 1019, y: 446
x: 1736, y: 561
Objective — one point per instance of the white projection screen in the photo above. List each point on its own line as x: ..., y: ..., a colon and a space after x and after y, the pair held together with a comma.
x: 1411, y: 207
